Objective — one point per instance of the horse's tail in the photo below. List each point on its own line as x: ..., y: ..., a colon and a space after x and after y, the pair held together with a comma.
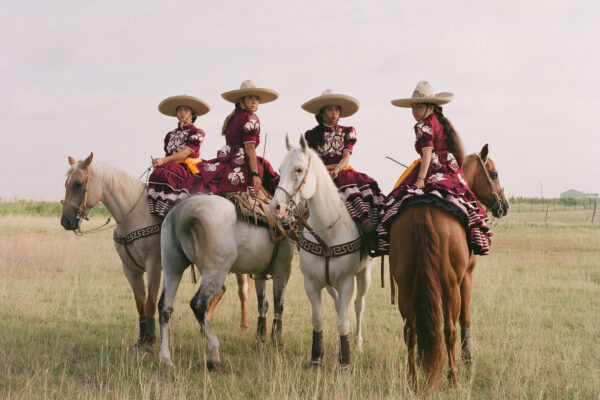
x: 427, y: 294
x: 193, y: 227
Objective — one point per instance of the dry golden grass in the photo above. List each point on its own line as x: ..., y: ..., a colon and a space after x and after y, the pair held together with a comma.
x: 68, y: 321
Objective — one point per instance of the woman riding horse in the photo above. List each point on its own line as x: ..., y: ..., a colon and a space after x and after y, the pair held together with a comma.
x: 437, y: 176
x: 172, y: 179
x: 334, y: 144
x: 237, y: 167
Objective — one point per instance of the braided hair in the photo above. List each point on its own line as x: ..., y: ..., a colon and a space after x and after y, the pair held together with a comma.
x: 454, y: 142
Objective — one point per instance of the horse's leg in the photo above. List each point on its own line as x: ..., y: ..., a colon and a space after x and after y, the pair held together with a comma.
x: 260, y: 285
x: 280, y: 280
x: 215, y: 302
x: 466, y: 288
x: 313, y: 291
x: 153, y: 276
x: 242, y: 282
x: 451, y: 309
x: 135, y: 277
x: 212, y: 282
x: 345, y: 293
x: 363, y: 282
x: 171, y: 280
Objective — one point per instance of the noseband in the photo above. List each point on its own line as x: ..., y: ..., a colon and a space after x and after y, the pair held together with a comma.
x: 498, y: 206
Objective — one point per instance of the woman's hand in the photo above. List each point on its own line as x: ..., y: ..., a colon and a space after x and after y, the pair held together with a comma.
x: 157, y: 162
x: 334, y: 172
x: 256, y: 185
x: 420, y: 183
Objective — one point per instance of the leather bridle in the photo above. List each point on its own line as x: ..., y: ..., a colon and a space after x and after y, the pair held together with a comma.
x: 81, y: 213
x: 291, y: 201
x: 498, y: 206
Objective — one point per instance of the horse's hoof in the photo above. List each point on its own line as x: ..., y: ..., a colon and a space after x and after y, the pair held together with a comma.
x: 345, y: 368
x: 212, y: 365
x: 166, y: 361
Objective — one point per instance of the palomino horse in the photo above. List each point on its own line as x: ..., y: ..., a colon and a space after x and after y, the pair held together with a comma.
x: 136, y: 234
x: 331, y: 254
x: 429, y: 260
x: 205, y: 230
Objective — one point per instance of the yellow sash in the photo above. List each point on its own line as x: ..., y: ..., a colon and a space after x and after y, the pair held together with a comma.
x: 191, y: 164
x: 408, y: 171
x: 346, y: 168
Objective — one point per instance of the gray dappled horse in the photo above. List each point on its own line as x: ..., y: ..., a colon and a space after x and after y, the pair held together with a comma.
x: 205, y: 230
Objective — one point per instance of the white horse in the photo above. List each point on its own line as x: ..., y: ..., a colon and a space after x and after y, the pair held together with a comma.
x: 305, y: 178
x: 205, y: 230
x: 136, y: 234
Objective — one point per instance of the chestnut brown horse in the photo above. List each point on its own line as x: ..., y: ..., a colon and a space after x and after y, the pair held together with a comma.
x: 432, y: 265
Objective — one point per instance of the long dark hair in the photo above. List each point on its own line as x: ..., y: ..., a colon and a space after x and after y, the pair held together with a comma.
x: 239, y: 105
x: 317, y: 134
x: 454, y: 142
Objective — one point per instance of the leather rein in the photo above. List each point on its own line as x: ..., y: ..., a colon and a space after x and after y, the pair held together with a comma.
x: 321, y: 248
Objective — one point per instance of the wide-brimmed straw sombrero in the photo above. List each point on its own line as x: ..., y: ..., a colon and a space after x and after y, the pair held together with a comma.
x: 169, y: 105
x: 348, y: 104
x: 423, y: 93
x: 248, y: 88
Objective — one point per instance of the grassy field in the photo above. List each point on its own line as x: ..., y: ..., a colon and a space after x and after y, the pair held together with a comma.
x: 68, y: 321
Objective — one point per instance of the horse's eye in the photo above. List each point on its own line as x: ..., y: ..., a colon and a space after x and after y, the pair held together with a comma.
x: 494, y: 175
x: 298, y: 170
x: 76, y: 185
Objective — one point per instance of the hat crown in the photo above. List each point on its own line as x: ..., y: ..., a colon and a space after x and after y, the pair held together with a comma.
x: 327, y: 91
x: 423, y: 89
x: 247, y: 84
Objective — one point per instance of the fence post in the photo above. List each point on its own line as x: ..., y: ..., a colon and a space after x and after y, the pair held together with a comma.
x: 594, y: 213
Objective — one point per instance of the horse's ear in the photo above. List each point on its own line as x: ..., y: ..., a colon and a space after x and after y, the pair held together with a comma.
x: 86, y: 163
x: 288, y: 145
x: 72, y: 160
x: 303, y: 144
x: 484, y: 152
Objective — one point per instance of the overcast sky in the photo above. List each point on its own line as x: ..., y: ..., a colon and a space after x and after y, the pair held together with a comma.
x: 77, y: 77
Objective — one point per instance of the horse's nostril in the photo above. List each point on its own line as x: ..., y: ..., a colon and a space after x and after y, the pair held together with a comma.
x: 278, y: 207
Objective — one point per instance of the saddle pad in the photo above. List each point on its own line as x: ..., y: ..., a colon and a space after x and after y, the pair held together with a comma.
x: 251, y: 209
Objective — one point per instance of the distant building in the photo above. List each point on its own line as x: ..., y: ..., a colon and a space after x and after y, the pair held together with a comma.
x: 576, y: 194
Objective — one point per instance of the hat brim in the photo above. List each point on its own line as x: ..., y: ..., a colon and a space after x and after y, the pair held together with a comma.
x: 349, y: 104
x: 264, y: 95
x: 169, y: 105
x: 438, y: 99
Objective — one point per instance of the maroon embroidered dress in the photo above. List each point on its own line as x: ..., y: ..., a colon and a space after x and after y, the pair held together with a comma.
x: 445, y: 186
x: 174, y: 181
x: 359, y: 191
x: 230, y: 171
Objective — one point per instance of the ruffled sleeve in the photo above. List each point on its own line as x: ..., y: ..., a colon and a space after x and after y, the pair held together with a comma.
x: 251, y: 129
x: 194, y: 140
x: 349, y: 138
x: 424, y: 135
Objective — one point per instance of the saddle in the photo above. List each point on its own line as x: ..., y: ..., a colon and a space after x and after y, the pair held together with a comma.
x: 255, y: 210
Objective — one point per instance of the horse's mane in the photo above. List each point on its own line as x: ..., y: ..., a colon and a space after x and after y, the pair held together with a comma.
x: 322, y: 175
x: 115, y: 180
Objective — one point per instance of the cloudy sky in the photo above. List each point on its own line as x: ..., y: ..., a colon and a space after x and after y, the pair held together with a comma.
x: 77, y: 77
